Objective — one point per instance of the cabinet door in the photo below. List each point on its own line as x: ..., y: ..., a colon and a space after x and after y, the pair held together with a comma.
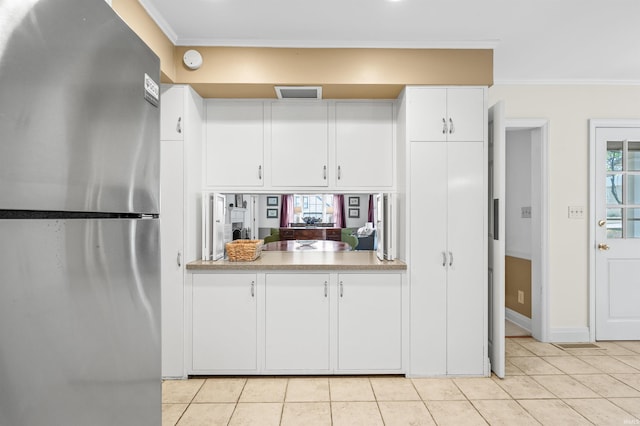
x: 465, y: 110
x: 234, y: 144
x: 297, y: 322
x: 364, y: 144
x: 466, y: 286
x: 428, y: 246
x: 172, y: 249
x: 224, y: 330
x: 369, y: 322
x: 172, y: 113
x: 426, y: 114
x: 299, y: 144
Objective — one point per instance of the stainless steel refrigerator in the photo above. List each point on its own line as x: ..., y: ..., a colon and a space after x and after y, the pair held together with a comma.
x: 79, y: 235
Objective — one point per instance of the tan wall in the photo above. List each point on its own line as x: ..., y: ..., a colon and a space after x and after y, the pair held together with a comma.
x: 139, y: 21
x: 238, y: 72
x: 252, y: 72
x: 568, y: 109
x: 518, y: 278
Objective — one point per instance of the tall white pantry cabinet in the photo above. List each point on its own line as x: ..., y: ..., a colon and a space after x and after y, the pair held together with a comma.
x: 446, y: 216
x: 181, y: 136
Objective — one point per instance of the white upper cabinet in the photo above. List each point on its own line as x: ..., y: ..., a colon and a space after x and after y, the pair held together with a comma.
x: 364, y: 145
x: 445, y: 114
x: 172, y: 113
x: 234, y: 143
x: 299, y: 144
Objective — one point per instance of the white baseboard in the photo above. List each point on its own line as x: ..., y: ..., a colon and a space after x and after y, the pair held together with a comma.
x: 569, y: 335
x: 518, y: 319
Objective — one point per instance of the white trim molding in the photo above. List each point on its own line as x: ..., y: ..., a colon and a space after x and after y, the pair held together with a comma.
x: 518, y: 319
x: 539, y: 325
x: 569, y: 335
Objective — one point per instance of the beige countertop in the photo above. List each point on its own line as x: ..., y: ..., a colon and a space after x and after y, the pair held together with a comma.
x: 306, y: 261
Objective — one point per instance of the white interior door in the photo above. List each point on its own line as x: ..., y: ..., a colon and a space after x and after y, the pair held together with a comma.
x: 617, y: 233
x: 497, y: 137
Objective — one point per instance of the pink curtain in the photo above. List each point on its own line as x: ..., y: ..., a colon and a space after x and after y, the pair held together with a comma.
x: 338, y: 211
x: 286, y: 210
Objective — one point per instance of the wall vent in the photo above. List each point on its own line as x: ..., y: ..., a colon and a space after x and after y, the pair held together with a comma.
x: 299, y: 92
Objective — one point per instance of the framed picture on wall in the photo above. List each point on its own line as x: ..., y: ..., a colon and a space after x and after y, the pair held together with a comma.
x: 354, y: 201
x: 272, y: 213
x: 355, y: 213
x: 272, y: 201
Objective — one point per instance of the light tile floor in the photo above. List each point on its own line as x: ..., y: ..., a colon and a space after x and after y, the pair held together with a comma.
x: 544, y: 385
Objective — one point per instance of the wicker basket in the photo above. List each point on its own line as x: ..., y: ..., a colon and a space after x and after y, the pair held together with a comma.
x: 244, y: 250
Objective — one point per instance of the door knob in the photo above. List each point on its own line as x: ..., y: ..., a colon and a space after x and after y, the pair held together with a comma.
x: 603, y: 247
x: 601, y: 223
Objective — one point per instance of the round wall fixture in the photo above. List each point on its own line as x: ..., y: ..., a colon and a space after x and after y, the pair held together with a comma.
x: 192, y: 59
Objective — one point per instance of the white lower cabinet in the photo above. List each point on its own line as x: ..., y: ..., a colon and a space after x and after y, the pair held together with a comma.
x: 224, y: 323
x: 369, y: 322
x: 297, y: 322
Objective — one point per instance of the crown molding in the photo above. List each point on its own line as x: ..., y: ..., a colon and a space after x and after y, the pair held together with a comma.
x: 565, y: 82
x: 329, y: 44
x: 159, y: 20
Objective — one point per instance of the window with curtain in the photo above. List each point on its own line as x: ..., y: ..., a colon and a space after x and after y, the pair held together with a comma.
x: 314, y: 207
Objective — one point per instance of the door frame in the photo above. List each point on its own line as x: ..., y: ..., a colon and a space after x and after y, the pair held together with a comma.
x: 540, y: 242
x: 593, y: 125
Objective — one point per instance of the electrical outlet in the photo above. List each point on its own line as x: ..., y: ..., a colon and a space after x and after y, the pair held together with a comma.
x: 521, y: 297
x: 576, y: 212
x: 525, y: 212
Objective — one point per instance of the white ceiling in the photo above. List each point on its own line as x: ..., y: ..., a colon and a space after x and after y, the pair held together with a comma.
x: 534, y: 41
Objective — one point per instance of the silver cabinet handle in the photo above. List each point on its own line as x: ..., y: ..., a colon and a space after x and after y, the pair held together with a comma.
x: 179, y: 125
x: 341, y: 289
x: 260, y: 172
x: 179, y: 259
x: 326, y: 289
x: 253, y: 289
x: 451, y: 128
x: 444, y: 126
x: 450, y: 259
x: 324, y: 172
x: 444, y: 259
x: 339, y: 172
